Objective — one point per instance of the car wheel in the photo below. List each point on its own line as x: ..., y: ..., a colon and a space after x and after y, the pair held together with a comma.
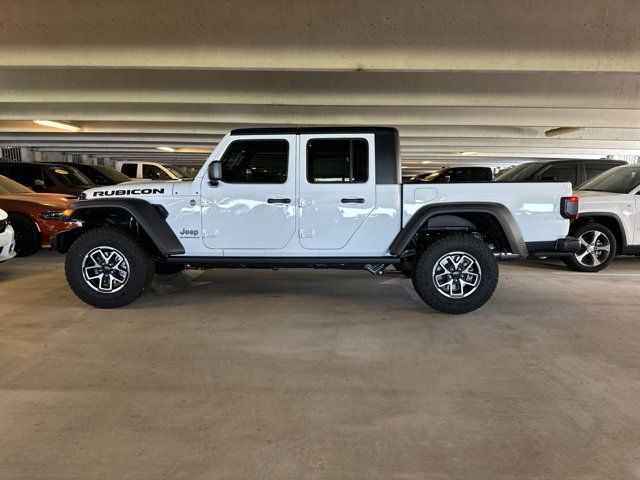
x: 109, y: 267
x: 26, y: 233
x: 457, y: 273
x: 597, y: 248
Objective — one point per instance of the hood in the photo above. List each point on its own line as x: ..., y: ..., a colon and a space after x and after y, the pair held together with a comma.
x: 132, y: 189
x: 51, y: 200
x: 591, y: 196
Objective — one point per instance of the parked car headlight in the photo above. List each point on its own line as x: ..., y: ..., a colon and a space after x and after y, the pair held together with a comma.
x: 52, y: 215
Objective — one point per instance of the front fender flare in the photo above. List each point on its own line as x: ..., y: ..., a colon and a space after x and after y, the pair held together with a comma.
x: 147, y: 216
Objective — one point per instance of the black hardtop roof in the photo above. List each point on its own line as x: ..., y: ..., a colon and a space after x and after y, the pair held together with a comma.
x: 312, y: 130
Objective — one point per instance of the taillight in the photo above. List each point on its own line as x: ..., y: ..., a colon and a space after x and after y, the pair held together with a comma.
x: 569, y: 207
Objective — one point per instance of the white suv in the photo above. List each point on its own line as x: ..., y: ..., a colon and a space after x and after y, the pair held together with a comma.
x: 609, y: 219
x: 7, y: 239
x: 148, y: 170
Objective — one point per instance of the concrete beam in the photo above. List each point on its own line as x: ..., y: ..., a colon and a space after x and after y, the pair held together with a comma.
x: 572, y: 35
x: 496, y: 89
x: 320, y: 115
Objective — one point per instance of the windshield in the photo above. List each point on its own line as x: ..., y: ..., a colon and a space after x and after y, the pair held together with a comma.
x: 616, y: 180
x: 9, y: 187
x: 432, y: 176
x: 110, y: 173
x: 173, y: 171
x: 69, y: 176
x: 520, y: 173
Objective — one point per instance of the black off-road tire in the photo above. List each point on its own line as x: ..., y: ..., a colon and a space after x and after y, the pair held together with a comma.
x: 27, y: 235
x: 426, y: 260
x: 140, y: 260
x: 575, y: 264
x: 405, y: 271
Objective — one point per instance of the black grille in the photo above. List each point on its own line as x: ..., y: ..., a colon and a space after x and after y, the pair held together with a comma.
x: 3, y: 225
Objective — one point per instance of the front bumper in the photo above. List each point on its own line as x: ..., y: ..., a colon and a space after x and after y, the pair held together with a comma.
x: 7, y: 244
x: 562, y: 247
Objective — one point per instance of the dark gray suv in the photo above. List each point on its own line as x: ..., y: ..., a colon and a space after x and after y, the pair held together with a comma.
x: 576, y: 171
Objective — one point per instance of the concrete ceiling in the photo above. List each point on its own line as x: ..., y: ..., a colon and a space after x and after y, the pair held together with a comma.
x: 488, y: 77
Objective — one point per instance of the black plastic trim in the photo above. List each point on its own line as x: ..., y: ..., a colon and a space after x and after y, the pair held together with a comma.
x: 61, y: 241
x: 281, y: 262
x: 146, y: 214
x: 563, y: 247
x: 309, y: 130
x: 498, y: 211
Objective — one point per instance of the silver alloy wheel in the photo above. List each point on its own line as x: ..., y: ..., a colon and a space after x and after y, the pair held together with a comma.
x: 457, y: 275
x: 595, y: 248
x: 105, y: 269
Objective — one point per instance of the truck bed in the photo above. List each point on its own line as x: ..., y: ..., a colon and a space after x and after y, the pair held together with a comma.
x: 535, y: 207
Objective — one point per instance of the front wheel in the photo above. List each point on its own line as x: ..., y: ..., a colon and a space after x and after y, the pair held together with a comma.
x: 108, y: 267
x: 597, y: 248
x: 27, y: 235
x: 457, y: 273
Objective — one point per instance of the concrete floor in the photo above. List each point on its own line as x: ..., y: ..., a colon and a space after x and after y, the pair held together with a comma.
x: 298, y: 374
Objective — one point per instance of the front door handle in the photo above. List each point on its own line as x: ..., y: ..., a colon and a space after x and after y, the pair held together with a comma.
x: 279, y: 200
x: 352, y: 200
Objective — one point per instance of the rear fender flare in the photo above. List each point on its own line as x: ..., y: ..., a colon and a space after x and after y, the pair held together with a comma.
x: 421, y: 218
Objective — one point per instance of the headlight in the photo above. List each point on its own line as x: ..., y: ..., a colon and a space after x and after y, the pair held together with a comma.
x: 52, y: 215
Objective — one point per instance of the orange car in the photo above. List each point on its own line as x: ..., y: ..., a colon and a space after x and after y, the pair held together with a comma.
x: 35, y: 217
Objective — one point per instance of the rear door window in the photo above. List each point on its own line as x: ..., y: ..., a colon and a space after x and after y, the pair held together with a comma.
x: 337, y: 160
x: 26, y: 174
x: 560, y: 172
x: 130, y: 169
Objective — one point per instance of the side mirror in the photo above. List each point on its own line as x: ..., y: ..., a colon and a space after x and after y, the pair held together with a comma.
x: 39, y: 183
x: 215, y: 172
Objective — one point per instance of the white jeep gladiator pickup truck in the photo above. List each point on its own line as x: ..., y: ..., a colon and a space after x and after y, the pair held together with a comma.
x: 609, y: 221
x: 312, y: 197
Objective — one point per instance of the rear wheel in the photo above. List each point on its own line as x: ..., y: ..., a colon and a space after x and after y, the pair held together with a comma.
x: 108, y: 267
x: 597, y: 248
x: 405, y: 271
x: 26, y: 233
x: 457, y: 273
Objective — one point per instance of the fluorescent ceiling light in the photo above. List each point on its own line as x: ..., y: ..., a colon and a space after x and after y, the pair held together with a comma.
x: 61, y: 125
x: 426, y: 161
x: 166, y: 149
x: 467, y: 154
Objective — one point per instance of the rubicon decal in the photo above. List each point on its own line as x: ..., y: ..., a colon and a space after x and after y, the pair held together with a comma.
x: 134, y: 191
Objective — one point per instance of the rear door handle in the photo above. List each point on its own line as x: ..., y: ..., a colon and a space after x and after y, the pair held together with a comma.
x: 279, y: 200
x: 352, y: 200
